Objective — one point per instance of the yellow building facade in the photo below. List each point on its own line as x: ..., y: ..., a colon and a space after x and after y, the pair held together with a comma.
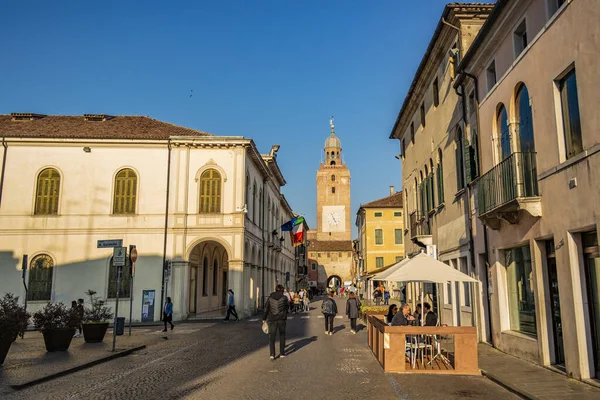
x: 380, y: 233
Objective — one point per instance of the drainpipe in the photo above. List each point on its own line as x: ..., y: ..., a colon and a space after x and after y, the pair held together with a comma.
x: 164, y: 270
x: 262, y: 281
x: 5, y: 145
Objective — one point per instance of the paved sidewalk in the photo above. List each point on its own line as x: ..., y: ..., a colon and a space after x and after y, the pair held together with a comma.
x: 529, y: 380
x: 28, y: 361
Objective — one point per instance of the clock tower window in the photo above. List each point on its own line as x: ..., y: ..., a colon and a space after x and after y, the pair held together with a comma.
x: 333, y: 190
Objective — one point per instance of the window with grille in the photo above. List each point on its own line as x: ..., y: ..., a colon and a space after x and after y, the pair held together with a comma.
x: 398, y: 236
x: 124, y: 289
x: 210, y: 192
x: 47, y: 192
x: 125, y: 192
x: 40, y: 278
x: 378, y: 236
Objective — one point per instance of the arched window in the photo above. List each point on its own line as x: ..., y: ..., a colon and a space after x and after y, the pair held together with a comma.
x: 215, y: 277
x: 47, y: 192
x: 205, y: 277
x: 503, y: 132
x: 254, y: 202
x: 210, y: 192
x: 332, y: 163
x: 460, y: 165
x: 125, y: 192
x: 124, y: 284
x: 332, y: 178
x: 525, y: 119
x: 440, y: 178
x: 40, y: 277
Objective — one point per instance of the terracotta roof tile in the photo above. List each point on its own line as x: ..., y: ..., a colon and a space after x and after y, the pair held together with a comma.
x: 393, y: 201
x: 331, y: 245
x: 77, y: 127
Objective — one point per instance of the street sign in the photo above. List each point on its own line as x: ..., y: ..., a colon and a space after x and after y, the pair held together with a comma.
x: 109, y: 244
x: 133, y: 255
x: 119, y: 255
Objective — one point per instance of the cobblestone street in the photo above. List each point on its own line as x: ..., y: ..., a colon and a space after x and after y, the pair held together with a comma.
x: 231, y: 360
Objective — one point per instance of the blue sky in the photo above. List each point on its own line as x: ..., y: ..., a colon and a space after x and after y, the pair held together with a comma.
x: 274, y: 71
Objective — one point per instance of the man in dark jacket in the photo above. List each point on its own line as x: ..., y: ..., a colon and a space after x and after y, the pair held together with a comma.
x: 276, y: 309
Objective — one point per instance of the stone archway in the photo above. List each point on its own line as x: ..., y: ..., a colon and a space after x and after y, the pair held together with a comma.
x: 208, y: 277
x: 334, y: 281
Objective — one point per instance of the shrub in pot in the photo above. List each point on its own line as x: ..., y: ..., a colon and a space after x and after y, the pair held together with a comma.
x: 95, y: 318
x: 58, y: 324
x: 13, y: 322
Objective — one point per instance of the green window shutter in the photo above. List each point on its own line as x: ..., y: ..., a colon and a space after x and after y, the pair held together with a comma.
x: 398, y: 236
x: 468, y: 169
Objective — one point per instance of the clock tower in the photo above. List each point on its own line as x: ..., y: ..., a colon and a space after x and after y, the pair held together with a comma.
x: 330, y: 246
x: 333, y: 193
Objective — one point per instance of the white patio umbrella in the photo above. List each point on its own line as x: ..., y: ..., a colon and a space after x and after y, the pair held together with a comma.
x: 383, y: 276
x: 426, y: 269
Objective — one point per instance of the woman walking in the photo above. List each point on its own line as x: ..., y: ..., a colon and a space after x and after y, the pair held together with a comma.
x: 168, y: 314
x: 352, y: 309
x: 306, y: 302
x: 329, y: 309
x: 231, y: 306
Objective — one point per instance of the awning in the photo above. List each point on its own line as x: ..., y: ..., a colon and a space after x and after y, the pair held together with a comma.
x: 423, y: 268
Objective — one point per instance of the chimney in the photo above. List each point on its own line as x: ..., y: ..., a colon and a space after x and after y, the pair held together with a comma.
x: 392, y: 190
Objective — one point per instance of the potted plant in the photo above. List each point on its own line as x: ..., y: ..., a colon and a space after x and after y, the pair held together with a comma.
x: 13, y: 322
x: 58, y: 324
x: 95, y: 318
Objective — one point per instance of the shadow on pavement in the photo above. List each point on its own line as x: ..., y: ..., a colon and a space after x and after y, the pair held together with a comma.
x: 298, y: 344
x: 338, y: 328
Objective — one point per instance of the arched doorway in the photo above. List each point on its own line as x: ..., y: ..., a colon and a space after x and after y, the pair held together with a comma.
x: 334, y: 281
x: 208, y: 277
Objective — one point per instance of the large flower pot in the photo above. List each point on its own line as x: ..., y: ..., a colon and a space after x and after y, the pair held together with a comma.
x: 94, y: 332
x: 4, y: 347
x: 58, y: 339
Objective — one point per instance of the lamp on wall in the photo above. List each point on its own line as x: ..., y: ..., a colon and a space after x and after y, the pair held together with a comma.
x: 87, y: 149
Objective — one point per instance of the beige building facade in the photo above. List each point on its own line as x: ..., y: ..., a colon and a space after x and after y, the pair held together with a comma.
x: 330, y: 244
x: 531, y: 83
x: 201, y: 210
x: 430, y: 130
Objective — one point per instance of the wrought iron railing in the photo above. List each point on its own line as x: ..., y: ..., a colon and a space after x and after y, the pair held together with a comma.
x: 514, y: 177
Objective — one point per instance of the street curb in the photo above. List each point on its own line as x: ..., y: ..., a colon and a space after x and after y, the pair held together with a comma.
x: 511, y: 388
x: 77, y: 368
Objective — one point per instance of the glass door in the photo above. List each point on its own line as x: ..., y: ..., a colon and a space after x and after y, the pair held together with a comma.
x: 559, y: 349
x: 592, y: 265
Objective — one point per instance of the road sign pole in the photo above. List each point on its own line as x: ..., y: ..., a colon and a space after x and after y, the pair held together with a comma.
x: 118, y: 260
x: 133, y: 259
x: 24, y: 268
x: 119, y: 271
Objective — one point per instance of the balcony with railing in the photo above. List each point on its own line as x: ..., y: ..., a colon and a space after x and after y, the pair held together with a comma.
x: 509, y: 187
x: 420, y: 226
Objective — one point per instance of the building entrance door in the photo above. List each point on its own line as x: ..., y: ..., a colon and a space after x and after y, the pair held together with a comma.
x: 592, y: 265
x: 193, y: 288
x: 559, y: 349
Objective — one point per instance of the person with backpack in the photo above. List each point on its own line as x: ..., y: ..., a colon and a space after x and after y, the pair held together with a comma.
x: 329, y: 310
x: 352, y: 309
x: 276, y: 309
x: 377, y: 297
x: 386, y: 297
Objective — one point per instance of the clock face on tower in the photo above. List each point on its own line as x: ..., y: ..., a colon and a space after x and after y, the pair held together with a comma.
x: 333, y: 218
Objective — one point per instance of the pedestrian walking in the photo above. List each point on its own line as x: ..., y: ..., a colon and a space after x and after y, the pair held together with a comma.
x: 80, y: 312
x: 231, y: 307
x: 168, y: 314
x: 276, y: 310
x: 74, y: 307
x: 386, y: 297
x: 377, y: 296
x: 329, y: 310
x: 306, y: 302
x: 352, y: 310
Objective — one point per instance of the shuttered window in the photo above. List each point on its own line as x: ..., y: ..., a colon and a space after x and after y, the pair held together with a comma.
x: 125, y: 192
x: 47, y: 192
x: 378, y: 236
x: 398, y: 233
x: 40, y: 278
x: 379, y: 262
x: 210, y: 192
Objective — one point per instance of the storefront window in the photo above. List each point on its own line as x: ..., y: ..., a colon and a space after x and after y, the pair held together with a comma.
x: 521, y: 290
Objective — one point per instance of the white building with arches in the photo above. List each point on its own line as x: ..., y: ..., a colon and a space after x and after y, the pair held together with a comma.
x: 204, y: 212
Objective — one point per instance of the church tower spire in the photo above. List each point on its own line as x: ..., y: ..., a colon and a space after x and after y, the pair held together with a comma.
x: 333, y: 148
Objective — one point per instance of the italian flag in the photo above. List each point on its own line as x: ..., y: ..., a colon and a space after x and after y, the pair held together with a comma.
x: 297, y: 231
